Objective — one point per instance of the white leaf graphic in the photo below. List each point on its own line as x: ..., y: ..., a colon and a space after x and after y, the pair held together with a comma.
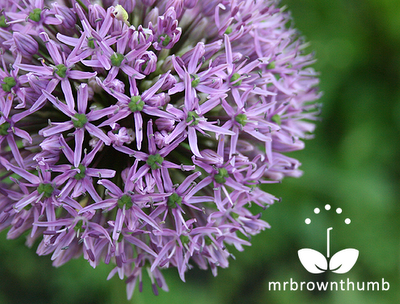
x: 312, y: 260
x: 343, y: 260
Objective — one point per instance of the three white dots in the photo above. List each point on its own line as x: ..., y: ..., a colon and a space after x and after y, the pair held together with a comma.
x: 328, y: 207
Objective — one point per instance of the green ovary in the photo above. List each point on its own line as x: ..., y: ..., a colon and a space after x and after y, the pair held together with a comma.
x: 136, y: 104
x: 79, y: 121
x: 46, y: 189
x: 221, y: 175
x: 125, y: 200
x: 234, y: 79
x: 195, y: 81
x: 35, y: 14
x: 116, y: 59
x: 193, y: 118
x: 82, y: 173
x: 276, y: 119
x: 155, y: 161
x: 242, y: 119
x: 61, y: 70
x: 9, y: 83
x: 174, y: 200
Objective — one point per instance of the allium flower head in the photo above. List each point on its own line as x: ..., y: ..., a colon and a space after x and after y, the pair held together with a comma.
x: 139, y: 132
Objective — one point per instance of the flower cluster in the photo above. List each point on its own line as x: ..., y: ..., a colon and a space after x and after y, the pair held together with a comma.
x: 138, y: 132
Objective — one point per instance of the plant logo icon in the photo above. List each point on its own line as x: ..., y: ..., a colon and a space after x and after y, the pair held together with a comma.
x: 315, y: 262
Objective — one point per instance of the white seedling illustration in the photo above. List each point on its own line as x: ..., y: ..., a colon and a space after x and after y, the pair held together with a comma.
x: 315, y: 262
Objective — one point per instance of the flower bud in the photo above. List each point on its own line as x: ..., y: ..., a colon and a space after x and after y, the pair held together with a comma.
x: 168, y: 83
x: 107, y: 3
x: 37, y: 83
x: 116, y: 85
x: 96, y: 14
x: 128, y: 5
x: 190, y: 3
x: 159, y: 100
x: 51, y: 144
x: 159, y: 138
x: 167, y: 65
x: 140, y: 37
x: 25, y: 44
x: 147, y: 63
x: 165, y: 124
x: 94, y: 85
x: 148, y: 2
x: 120, y: 136
x: 66, y: 15
x: 167, y: 32
x: 152, y: 17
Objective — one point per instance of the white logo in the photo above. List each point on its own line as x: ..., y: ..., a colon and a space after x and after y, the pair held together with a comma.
x: 315, y: 262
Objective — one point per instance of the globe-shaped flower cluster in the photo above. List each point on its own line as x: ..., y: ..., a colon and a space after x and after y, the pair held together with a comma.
x: 138, y: 132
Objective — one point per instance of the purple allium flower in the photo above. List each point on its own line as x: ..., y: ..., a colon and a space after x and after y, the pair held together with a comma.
x: 138, y: 133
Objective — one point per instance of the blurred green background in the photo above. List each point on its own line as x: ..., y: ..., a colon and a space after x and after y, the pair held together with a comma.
x: 353, y: 163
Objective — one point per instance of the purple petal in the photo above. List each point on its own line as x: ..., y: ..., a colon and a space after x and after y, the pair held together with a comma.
x: 189, y: 93
x: 141, y: 172
x: 157, y: 112
x: 179, y: 129
x: 111, y: 75
x: 95, y: 131
x: 75, y: 74
x: 45, y: 71
x: 131, y: 72
x: 94, y: 172
x: 67, y: 90
x: 82, y: 98
x: 67, y: 40
x: 89, y: 157
x: 150, y: 137
x: 26, y: 201
x: 199, y: 51
x: 97, y: 114
x: 33, y: 179
x: 186, y: 183
x: 177, y: 67
x: 74, y: 204
x: 138, y: 129
x: 88, y: 186
x: 104, y: 61
x: 52, y: 49
x: 90, y: 63
x: 167, y: 179
x: 150, y: 92
x: 69, y: 154
x: 79, y: 136
x: 15, y: 151
x: 111, y: 187
x: 140, y: 214
x: 193, y: 141
x: 113, y: 119
x: 140, y: 244
x: 61, y: 106
x: 210, y: 104
x: 22, y: 134
x: 104, y: 204
x: 205, y: 182
x: 217, y: 130
x: 162, y: 253
x: 41, y: 100
x: 228, y: 49
x: 57, y: 128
